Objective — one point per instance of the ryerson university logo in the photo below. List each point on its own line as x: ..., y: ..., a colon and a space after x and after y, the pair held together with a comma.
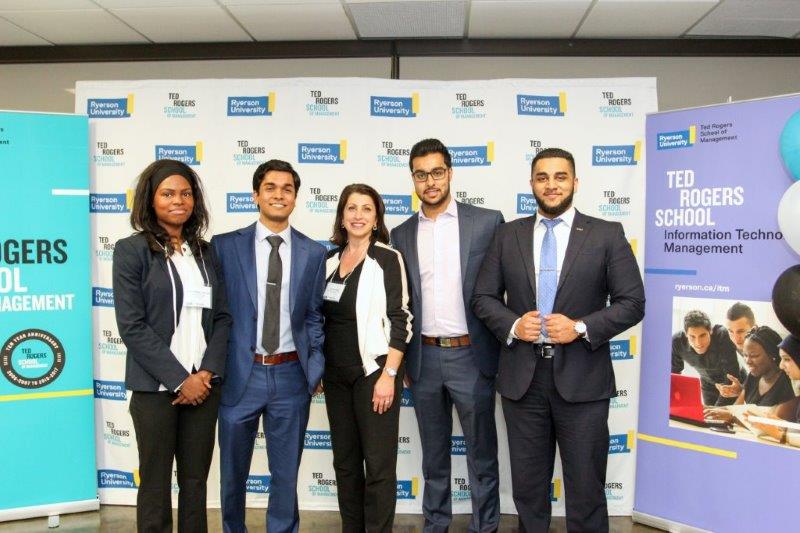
x: 622, y: 443
x: 110, y: 390
x: 258, y: 484
x: 190, y: 154
x: 117, y: 479
x: 472, y: 156
x: 110, y: 107
x: 407, y: 489
x: 322, y: 153
x: 111, y: 202
x: 622, y: 350
x: 398, y: 204
x: 676, y: 139
x: 542, y: 105
x: 394, y: 106
x: 616, y: 155
x: 251, y: 106
x: 526, y: 204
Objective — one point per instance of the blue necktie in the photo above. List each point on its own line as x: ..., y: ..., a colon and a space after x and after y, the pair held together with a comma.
x: 548, y: 278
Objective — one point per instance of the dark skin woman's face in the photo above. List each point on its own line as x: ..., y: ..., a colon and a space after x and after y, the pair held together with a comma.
x: 756, y: 358
x: 173, y: 202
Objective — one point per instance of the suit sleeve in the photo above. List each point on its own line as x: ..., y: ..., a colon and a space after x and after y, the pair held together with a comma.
x: 143, y: 343
x: 217, y: 347
x: 395, y: 280
x: 488, y: 302
x: 625, y: 289
x: 677, y: 358
x: 314, y: 327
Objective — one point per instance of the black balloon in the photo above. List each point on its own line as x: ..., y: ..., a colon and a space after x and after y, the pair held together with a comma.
x: 786, y: 299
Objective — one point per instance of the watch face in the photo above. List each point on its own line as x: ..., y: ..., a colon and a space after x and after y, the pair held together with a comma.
x: 580, y: 328
x: 391, y: 371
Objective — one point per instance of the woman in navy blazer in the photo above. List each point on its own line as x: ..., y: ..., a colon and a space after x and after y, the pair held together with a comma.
x: 172, y: 316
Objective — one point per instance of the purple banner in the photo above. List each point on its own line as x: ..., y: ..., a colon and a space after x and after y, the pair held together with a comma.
x: 718, y: 236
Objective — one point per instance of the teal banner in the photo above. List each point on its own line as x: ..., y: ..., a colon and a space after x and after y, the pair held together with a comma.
x: 47, y: 458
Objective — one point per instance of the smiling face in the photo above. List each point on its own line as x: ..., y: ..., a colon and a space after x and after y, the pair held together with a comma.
x: 173, y: 202
x: 756, y: 358
x: 699, y: 339
x: 553, y: 184
x: 738, y: 330
x: 276, y: 197
x: 789, y: 366
x: 434, y: 189
x: 359, y: 216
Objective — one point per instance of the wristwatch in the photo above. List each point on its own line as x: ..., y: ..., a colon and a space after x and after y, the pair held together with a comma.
x: 391, y: 371
x: 580, y: 328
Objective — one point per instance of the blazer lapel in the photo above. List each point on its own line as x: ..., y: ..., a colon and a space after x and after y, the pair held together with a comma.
x: 464, y: 237
x: 299, y: 255
x: 246, y: 248
x: 412, y: 258
x: 581, y: 226
x: 525, y: 242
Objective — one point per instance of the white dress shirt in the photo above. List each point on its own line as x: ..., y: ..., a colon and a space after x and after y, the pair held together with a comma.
x: 188, y: 342
x: 561, y: 232
x: 439, y: 257
x: 263, y: 249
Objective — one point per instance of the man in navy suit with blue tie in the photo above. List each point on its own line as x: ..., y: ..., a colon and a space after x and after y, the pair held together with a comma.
x: 275, y: 278
x: 554, y: 289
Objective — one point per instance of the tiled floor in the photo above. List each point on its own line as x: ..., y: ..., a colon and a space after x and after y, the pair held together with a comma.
x: 121, y: 518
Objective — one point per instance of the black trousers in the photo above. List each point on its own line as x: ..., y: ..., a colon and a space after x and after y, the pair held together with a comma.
x: 535, y: 423
x: 361, y: 437
x: 165, y: 432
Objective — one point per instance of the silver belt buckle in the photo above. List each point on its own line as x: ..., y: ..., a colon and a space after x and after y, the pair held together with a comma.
x: 548, y: 351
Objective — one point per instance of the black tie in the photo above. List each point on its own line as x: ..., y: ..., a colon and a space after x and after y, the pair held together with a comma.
x: 270, y: 330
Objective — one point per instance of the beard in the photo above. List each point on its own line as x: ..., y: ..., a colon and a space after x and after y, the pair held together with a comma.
x: 556, y: 210
x: 444, y: 198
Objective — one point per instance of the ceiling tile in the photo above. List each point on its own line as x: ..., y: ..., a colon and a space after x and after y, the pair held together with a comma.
x: 11, y: 35
x: 192, y: 24
x: 95, y: 26
x: 765, y: 18
x: 420, y: 19
x: 293, y: 22
x: 532, y: 19
x: 45, y: 5
x: 643, y: 18
x: 122, y: 4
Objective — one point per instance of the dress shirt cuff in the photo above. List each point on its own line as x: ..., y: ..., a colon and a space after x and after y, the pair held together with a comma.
x: 511, y: 335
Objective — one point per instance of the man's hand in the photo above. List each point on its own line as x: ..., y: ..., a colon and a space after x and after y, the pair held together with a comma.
x: 731, y: 390
x: 529, y: 327
x: 560, y: 329
x: 319, y: 390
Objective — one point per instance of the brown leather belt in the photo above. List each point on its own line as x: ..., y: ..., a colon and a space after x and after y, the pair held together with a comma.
x: 276, y: 358
x: 447, y: 342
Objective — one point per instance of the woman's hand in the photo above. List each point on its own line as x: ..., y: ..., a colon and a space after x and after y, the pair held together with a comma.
x: 718, y: 413
x: 194, y: 389
x: 731, y: 390
x: 383, y: 393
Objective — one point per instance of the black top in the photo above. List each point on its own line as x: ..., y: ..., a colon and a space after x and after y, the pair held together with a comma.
x: 713, y: 366
x: 781, y: 391
x: 341, y: 329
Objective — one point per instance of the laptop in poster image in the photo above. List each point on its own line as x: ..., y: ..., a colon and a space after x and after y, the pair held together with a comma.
x: 685, y: 400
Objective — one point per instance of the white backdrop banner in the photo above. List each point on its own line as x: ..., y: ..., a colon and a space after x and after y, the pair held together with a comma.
x: 340, y: 131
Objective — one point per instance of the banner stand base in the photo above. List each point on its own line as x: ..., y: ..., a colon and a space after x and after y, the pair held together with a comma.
x: 664, y: 524
x: 51, y: 509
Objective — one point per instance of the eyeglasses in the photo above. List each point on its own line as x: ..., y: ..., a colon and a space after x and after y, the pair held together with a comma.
x: 437, y: 174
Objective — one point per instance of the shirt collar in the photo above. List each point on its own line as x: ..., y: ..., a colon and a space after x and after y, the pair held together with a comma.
x: 452, y: 211
x: 567, y: 217
x: 262, y: 232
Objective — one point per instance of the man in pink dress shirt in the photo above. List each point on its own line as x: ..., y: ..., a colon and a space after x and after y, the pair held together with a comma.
x: 452, y: 357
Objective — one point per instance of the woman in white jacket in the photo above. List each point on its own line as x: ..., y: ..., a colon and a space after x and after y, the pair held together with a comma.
x: 367, y: 328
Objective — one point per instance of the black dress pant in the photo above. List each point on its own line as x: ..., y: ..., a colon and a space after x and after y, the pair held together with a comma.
x: 361, y: 437
x: 535, y: 423
x: 165, y: 432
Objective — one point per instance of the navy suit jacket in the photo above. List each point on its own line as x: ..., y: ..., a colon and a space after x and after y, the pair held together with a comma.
x: 600, y: 283
x: 476, y: 226
x: 237, y: 254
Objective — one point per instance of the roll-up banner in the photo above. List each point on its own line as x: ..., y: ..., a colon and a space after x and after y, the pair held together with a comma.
x: 47, y: 446
x: 723, y: 224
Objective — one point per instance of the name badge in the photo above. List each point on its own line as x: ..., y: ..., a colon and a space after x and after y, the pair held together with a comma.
x: 333, y: 291
x: 197, y: 296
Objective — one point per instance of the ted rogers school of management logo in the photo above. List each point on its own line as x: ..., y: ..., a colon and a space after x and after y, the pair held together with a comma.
x: 32, y: 358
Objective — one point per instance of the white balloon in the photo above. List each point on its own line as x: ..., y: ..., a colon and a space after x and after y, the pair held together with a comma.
x: 789, y: 216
